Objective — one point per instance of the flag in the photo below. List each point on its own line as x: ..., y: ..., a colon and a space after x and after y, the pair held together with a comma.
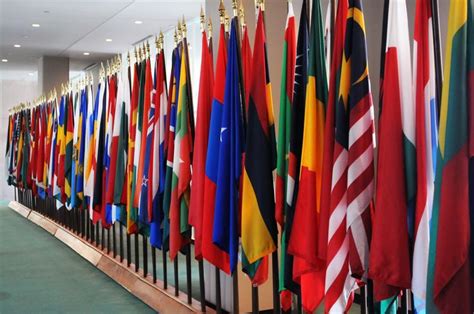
x: 196, y: 204
x: 110, y: 209
x: 98, y: 209
x: 112, y: 176
x: 308, y: 269
x: 225, y: 229
x: 132, y: 226
x: 246, y: 52
x: 180, y: 182
x: 51, y: 146
x: 121, y: 159
x: 259, y: 230
x: 291, y: 85
x: 212, y: 253
x: 159, y: 167
x: 61, y: 150
x: 352, y: 170
x: 90, y: 148
x: 396, y: 166
x: 171, y: 124
x: 426, y: 138
x: 68, y: 158
x: 450, y: 280
x: 286, y: 97
x: 81, y: 142
x: 75, y: 147
x: 144, y: 180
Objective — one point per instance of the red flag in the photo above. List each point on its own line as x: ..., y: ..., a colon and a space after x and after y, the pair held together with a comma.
x: 206, y: 83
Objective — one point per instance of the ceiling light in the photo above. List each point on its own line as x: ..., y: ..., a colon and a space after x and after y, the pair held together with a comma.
x: 108, y: 40
x: 86, y: 53
x: 4, y: 60
x: 31, y: 74
x: 16, y: 46
x: 138, y: 22
x: 35, y: 25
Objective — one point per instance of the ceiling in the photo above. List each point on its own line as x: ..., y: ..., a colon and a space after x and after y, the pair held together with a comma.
x: 69, y: 28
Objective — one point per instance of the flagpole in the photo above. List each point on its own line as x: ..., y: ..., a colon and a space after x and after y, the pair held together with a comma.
x: 191, y: 124
x: 239, y: 63
x: 437, y: 54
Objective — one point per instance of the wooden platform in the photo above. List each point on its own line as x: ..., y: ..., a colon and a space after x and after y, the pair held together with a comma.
x: 150, y: 293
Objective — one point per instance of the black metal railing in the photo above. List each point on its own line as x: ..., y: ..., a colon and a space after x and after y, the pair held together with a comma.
x: 119, y: 244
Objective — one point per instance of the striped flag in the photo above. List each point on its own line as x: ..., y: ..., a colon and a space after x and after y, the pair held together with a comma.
x: 159, y: 157
x: 426, y: 138
x: 90, y: 148
x: 180, y: 182
x: 396, y: 166
x: 171, y: 123
x: 352, y: 170
x: 61, y: 150
x: 110, y: 210
x: 82, y: 129
x: 450, y: 279
x: 259, y: 229
x: 307, y: 268
x: 98, y: 205
x: 285, y: 175
x: 122, y: 124
x: 144, y: 179
x: 68, y: 161
x: 210, y: 251
x: 132, y: 226
x: 206, y: 83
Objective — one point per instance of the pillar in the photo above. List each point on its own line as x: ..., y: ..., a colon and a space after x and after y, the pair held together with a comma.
x: 52, y: 71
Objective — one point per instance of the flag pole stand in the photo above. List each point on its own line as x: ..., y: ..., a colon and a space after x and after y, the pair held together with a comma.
x: 137, y: 257
x: 176, y: 278
x: 145, y: 255
x: 370, y: 296
x: 218, y: 290
x: 202, y: 289
x: 129, y: 249
x: 153, y: 259
x: 235, y: 292
x: 188, y: 273
x: 165, y: 268
x: 276, y: 294
x: 255, y: 307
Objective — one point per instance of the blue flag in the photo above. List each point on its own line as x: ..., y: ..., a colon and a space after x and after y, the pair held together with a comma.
x: 225, y: 231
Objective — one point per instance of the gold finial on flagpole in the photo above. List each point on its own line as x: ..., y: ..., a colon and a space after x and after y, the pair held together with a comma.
x: 227, y: 23
x: 262, y: 4
x: 183, y: 28
x: 202, y: 18
x: 148, y: 49
x: 179, y: 31
x: 175, y: 37
x: 222, y: 12
x: 157, y: 43
x: 161, y: 41
x: 235, y: 9
x: 209, y: 28
x: 241, y: 14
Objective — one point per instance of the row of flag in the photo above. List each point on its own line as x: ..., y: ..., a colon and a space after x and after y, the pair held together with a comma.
x: 403, y: 218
